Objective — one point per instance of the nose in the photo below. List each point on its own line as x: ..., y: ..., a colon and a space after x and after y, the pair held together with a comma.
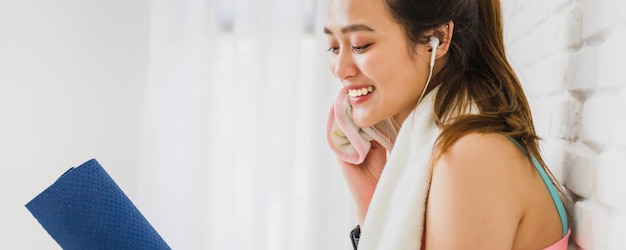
x: 343, y: 65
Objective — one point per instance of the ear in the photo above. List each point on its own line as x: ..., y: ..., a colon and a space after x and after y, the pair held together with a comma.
x: 444, y: 33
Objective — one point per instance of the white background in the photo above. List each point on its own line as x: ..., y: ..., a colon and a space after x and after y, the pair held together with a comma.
x: 72, y: 76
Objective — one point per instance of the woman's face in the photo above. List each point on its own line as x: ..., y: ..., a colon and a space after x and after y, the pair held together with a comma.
x: 369, y: 54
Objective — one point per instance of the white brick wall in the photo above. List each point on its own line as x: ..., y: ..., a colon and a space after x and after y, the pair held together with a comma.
x: 571, y: 58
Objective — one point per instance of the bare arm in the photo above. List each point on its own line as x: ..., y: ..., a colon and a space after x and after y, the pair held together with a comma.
x: 475, y: 200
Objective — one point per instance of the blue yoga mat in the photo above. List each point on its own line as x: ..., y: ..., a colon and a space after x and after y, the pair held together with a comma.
x: 85, y: 209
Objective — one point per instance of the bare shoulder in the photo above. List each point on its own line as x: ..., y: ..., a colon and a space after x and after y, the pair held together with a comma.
x: 484, y: 157
x: 484, y: 147
x: 477, y: 194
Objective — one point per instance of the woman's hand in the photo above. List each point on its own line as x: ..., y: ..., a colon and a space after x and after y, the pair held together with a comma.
x: 363, y: 178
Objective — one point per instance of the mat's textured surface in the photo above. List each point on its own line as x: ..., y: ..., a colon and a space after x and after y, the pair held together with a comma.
x: 85, y: 209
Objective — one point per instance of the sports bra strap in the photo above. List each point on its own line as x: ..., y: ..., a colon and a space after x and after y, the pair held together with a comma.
x: 560, y: 207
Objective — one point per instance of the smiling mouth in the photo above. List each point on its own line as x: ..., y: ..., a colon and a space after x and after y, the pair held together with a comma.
x: 361, y: 92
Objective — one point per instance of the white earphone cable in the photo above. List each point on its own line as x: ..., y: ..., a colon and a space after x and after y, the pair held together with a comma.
x: 434, y: 42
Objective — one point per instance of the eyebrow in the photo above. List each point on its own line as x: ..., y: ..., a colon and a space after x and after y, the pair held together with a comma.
x: 350, y: 28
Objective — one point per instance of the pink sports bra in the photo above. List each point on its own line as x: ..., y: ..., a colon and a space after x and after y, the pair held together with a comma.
x: 561, y: 244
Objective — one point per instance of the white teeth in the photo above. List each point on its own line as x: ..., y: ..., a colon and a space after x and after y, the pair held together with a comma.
x: 361, y: 91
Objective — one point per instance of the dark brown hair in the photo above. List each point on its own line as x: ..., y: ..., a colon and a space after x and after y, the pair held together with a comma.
x: 478, y: 74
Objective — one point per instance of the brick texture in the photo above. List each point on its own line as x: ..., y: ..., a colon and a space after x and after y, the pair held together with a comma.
x: 569, y: 57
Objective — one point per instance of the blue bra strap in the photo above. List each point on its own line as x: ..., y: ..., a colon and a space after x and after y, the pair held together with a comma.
x: 551, y: 188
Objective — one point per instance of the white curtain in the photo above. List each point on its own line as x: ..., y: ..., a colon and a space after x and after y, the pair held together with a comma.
x: 234, y: 154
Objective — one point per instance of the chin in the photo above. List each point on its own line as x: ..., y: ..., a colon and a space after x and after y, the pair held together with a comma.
x: 364, y: 117
x: 363, y: 123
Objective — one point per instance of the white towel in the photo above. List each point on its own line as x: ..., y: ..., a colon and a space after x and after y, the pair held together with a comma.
x: 396, y: 214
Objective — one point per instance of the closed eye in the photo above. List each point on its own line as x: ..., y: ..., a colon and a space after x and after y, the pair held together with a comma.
x: 360, y: 49
x: 334, y: 50
x: 355, y: 49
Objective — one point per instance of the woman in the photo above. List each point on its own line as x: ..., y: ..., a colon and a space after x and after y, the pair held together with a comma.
x: 464, y: 169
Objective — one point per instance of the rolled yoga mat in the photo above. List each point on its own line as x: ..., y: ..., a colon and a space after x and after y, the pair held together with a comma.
x: 85, y: 209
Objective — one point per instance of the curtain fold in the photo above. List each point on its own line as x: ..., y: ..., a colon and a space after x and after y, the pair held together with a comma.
x: 234, y: 154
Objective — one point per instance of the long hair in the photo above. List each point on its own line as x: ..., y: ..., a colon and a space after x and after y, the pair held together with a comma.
x: 477, y: 76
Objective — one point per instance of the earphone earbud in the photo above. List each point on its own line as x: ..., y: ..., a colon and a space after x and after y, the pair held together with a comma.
x: 433, y: 42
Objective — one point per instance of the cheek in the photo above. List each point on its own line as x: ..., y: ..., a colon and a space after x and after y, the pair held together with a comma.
x: 376, y: 66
